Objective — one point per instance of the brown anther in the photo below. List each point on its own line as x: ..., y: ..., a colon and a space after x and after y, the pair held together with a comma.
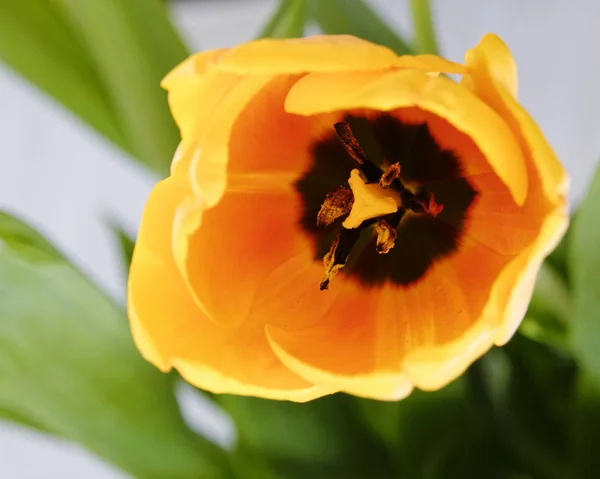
x: 430, y: 206
x: 391, y: 174
x: 350, y: 142
x: 331, y: 267
x: 338, y: 254
x: 337, y: 203
x: 386, y: 237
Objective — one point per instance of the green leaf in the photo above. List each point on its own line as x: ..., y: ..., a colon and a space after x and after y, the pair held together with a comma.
x: 38, y: 43
x: 584, y: 266
x: 425, y: 432
x: 125, y: 243
x: 133, y: 46
x: 319, y: 439
x: 356, y: 18
x: 585, y: 428
x: 68, y: 366
x: 103, y: 60
x: 287, y: 21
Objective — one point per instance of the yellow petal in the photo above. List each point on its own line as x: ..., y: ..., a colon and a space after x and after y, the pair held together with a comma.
x: 208, y: 169
x: 193, y: 66
x: 492, y: 77
x: 320, y: 93
x: 172, y: 331
x: 429, y: 63
x: 492, y: 58
x: 330, y: 53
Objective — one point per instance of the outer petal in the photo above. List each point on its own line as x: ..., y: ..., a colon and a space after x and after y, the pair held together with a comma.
x: 379, y: 344
x: 330, y: 53
x: 190, y: 92
x: 492, y: 77
x: 314, y: 94
x: 249, y: 245
x: 170, y: 330
x: 492, y: 58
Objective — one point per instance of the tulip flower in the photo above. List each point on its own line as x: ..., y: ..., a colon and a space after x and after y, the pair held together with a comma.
x: 340, y: 218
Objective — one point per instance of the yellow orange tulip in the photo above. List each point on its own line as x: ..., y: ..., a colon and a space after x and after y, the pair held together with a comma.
x: 340, y: 218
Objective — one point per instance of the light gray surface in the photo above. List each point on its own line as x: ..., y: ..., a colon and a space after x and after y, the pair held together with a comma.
x: 62, y: 177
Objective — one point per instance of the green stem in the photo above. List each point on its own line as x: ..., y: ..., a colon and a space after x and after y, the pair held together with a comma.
x: 425, y: 38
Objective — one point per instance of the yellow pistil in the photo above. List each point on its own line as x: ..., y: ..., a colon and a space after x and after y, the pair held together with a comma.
x: 370, y: 201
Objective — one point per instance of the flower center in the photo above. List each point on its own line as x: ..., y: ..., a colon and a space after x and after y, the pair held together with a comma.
x: 376, y: 198
x: 381, y: 200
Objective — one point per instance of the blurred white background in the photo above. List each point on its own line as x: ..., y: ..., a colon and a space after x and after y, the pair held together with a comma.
x: 64, y: 179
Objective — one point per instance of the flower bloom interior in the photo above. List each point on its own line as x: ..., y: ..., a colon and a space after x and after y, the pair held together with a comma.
x: 340, y: 218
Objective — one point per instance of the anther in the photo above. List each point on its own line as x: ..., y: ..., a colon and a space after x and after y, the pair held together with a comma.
x: 386, y: 237
x: 391, y: 174
x: 350, y: 142
x: 337, y: 203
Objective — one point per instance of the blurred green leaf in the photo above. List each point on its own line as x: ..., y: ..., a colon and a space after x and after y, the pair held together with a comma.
x: 523, y: 392
x: 125, y: 243
x: 319, y: 439
x: 359, y: 19
x: 584, y: 265
x: 133, y: 46
x: 68, y: 366
x: 435, y: 435
x: 37, y: 42
x: 558, y: 259
x: 103, y: 60
x: 287, y: 21
x: 549, y: 314
x: 585, y: 428
x: 425, y: 37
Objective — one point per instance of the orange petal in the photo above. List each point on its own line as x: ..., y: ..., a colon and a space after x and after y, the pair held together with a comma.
x: 327, y: 53
x: 378, y: 342
x: 208, y: 169
x: 245, y: 245
x: 492, y: 77
x: 319, y: 93
x: 171, y: 331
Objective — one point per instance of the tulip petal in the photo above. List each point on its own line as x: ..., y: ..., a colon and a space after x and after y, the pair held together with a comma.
x: 330, y: 53
x: 193, y: 66
x: 376, y: 343
x: 493, y: 58
x: 491, y: 77
x: 193, y: 93
x: 408, y: 88
x: 429, y: 63
x: 250, y: 243
x: 210, y: 356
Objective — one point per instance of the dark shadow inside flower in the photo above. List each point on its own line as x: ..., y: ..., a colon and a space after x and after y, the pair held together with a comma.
x: 427, y: 169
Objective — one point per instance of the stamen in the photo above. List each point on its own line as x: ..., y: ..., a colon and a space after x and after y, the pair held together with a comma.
x: 350, y: 142
x: 338, y: 254
x: 391, y: 174
x: 386, y: 237
x: 430, y: 206
x: 371, y: 172
x: 337, y: 203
